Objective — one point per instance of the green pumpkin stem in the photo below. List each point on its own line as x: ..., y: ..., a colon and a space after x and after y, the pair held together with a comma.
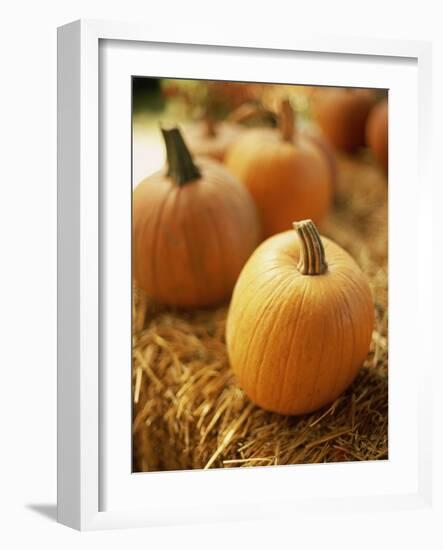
x: 286, y: 121
x: 312, y: 253
x: 181, y: 167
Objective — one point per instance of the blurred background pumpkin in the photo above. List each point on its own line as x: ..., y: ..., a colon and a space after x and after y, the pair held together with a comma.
x: 287, y: 174
x: 377, y: 132
x: 341, y: 114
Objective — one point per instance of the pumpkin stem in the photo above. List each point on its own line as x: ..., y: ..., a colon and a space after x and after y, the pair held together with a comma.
x: 209, y: 125
x: 249, y: 111
x: 181, y: 167
x: 286, y: 121
x: 312, y: 257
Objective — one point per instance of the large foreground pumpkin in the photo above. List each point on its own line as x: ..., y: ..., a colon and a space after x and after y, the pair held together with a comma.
x: 300, y: 322
x: 194, y: 227
x: 286, y: 173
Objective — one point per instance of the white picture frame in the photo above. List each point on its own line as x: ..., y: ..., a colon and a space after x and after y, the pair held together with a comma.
x: 96, y: 489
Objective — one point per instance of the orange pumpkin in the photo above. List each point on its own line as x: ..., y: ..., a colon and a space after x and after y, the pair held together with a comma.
x: 194, y: 227
x: 377, y: 133
x: 210, y: 139
x: 328, y: 153
x: 300, y: 322
x: 286, y: 173
x: 341, y: 114
x: 232, y: 94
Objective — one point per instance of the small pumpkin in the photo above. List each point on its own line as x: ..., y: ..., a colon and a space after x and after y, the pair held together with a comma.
x: 341, y: 114
x: 194, y: 227
x: 230, y: 95
x: 328, y: 153
x: 377, y: 132
x: 300, y: 322
x: 207, y: 138
x: 286, y: 173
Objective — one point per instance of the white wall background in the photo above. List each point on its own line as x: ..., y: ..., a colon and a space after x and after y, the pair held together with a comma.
x: 28, y: 259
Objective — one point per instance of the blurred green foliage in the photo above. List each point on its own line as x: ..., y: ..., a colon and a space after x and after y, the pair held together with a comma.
x: 147, y: 94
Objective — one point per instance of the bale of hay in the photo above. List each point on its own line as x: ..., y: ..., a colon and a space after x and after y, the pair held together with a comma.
x: 188, y: 411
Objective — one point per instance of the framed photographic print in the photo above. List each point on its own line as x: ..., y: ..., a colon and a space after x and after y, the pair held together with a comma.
x: 233, y: 276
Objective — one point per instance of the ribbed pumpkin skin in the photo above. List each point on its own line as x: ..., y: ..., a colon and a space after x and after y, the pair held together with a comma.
x: 296, y: 342
x: 377, y: 133
x: 341, y: 113
x: 286, y: 180
x: 190, y: 242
